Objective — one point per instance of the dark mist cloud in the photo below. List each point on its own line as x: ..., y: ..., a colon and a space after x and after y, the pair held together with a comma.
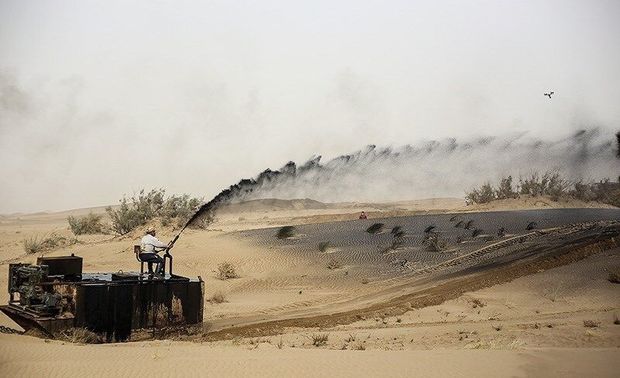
x: 431, y: 169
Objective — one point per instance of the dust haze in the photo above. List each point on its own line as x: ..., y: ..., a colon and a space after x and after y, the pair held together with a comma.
x: 99, y: 101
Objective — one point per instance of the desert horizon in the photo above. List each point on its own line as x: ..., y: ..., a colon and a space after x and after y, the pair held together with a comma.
x: 310, y: 189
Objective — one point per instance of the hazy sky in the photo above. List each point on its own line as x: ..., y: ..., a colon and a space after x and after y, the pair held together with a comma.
x: 102, y: 98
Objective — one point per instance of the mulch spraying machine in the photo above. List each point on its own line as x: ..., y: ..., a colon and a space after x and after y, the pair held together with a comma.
x: 54, y: 295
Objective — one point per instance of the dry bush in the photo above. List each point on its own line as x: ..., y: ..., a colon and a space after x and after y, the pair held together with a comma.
x: 88, y: 224
x: 375, y: 228
x: 217, y: 298
x: 324, y: 246
x: 80, y: 336
x: 614, y: 277
x: 434, y: 242
x: 319, y: 339
x: 477, y: 303
x: 285, y: 232
x: 365, y: 281
x: 35, y: 244
x: 591, y: 324
x: 334, y: 264
x: 226, y: 270
x: 359, y: 346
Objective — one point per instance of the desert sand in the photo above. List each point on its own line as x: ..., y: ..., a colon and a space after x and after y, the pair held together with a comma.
x: 530, y: 326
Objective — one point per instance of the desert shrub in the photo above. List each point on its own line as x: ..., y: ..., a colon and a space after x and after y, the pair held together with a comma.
x: 319, y: 339
x: 334, y: 264
x: 614, y: 277
x: 88, y: 224
x: 505, y: 189
x: 484, y: 194
x: 550, y: 184
x: 591, y: 324
x: 324, y: 246
x: 616, y: 319
x: 365, y: 281
x: 35, y: 244
x: 476, y: 232
x: 80, y: 336
x: 141, y: 208
x: 217, y: 298
x: 285, y: 232
x: 359, y: 346
x: 178, y: 209
x: 375, y: 228
x: 434, y: 242
x: 226, y: 270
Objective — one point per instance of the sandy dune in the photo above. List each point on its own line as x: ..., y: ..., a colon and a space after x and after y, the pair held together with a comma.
x: 532, y: 326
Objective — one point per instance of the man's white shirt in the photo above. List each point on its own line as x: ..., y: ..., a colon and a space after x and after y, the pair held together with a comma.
x: 150, y: 243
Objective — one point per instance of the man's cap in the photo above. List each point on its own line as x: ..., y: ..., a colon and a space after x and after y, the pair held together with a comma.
x: 150, y: 229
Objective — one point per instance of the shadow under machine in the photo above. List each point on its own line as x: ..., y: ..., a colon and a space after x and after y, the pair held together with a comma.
x: 54, y: 295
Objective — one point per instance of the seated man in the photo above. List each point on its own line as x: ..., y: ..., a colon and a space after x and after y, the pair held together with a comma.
x: 150, y: 246
x: 363, y: 215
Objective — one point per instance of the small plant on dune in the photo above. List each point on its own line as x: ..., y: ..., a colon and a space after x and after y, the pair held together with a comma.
x: 285, y: 232
x: 217, y: 298
x: 226, y: 270
x: 32, y: 245
x: 477, y: 303
x: 324, y: 246
x: 334, y: 264
x: 434, y: 242
x: 88, y: 224
x: 375, y: 228
x: 591, y: 324
x: 319, y: 339
x: 359, y: 346
x: 614, y: 277
x: 365, y: 281
x: 80, y: 336
x: 35, y: 244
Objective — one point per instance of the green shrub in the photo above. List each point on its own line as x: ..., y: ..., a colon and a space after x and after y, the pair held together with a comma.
x: 88, y: 224
x: 141, y: 208
x: 286, y: 232
x: 375, y: 228
x: 505, y: 189
x: 324, y: 246
x: 483, y: 195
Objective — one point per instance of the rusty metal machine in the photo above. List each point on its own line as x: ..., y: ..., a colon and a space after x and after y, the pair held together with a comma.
x: 54, y: 294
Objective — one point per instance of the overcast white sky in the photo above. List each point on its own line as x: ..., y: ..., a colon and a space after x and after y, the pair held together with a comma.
x: 101, y: 98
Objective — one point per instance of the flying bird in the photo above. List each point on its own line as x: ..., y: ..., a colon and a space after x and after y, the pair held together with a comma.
x: 549, y: 94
